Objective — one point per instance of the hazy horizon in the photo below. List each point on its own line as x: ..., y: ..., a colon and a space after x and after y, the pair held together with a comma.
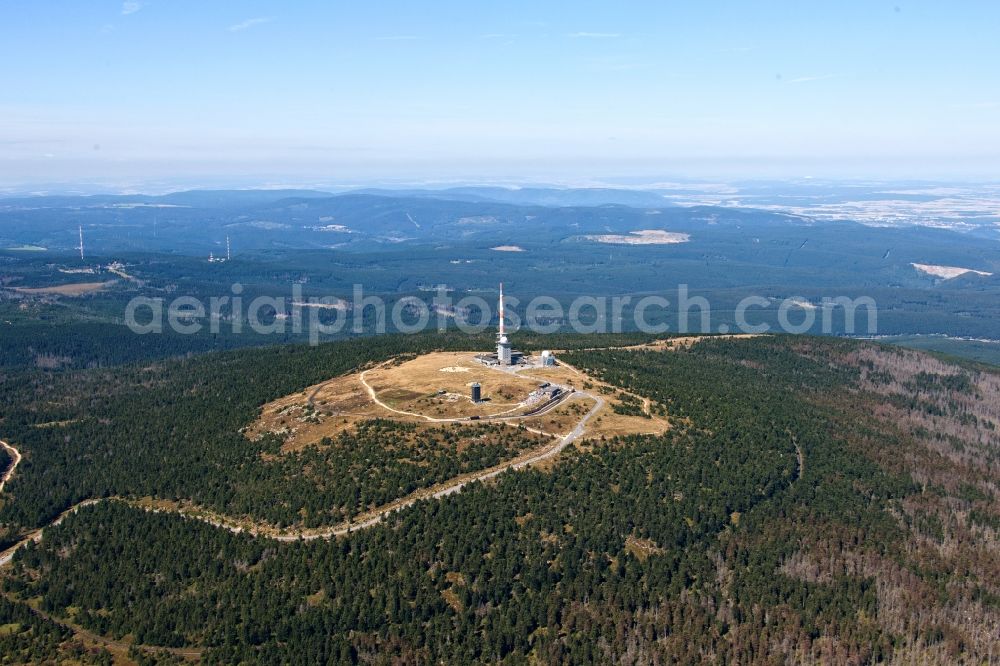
x: 663, y: 184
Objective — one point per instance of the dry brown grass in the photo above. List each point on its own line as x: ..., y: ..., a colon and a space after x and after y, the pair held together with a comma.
x: 414, y: 385
x: 322, y: 410
x: 563, y: 418
x: 606, y: 423
x: 560, y: 374
x: 686, y: 342
x: 437, y: 386
x: 641, y: 549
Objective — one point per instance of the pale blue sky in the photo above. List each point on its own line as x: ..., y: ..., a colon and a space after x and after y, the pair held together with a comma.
x: 325, y: 92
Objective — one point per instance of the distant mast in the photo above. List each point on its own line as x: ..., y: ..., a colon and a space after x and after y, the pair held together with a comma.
x: 81, y: 242
x: 501, y: 310
x: 504, y: 352
x: 229, y: 254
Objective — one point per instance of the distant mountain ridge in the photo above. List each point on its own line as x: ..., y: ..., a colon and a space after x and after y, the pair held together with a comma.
x: 191, y: 222
x: 535, y: 196
x: 700, y: 243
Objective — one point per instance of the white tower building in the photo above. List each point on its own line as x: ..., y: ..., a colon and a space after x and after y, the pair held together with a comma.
x: 503, y: 344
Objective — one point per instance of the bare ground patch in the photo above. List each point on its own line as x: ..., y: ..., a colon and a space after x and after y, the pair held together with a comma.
x: 642, y: 237
x: 75, y: 289
x: 436, y: 386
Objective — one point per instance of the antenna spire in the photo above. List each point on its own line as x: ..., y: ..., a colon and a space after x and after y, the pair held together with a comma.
x: 501, y: 310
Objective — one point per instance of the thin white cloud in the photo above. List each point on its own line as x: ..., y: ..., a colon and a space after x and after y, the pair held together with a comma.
x: 249, y: 23
x: 595, y: 35
x: 810, y: 79
x: 130, y: 7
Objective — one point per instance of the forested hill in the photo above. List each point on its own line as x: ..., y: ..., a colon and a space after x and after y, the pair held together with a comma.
x: 815, y: 500
x: 173, y: 429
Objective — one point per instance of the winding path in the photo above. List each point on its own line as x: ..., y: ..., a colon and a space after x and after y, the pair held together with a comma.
x: 16, y: 460
x: 363, y: 521
x: 566, y: 393
x: 367, y: 519
x: 36, y: 535
x: 802, y: 461
x: 454, y: 485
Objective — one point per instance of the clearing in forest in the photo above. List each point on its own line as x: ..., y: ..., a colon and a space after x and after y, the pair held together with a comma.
x: 435, y: 388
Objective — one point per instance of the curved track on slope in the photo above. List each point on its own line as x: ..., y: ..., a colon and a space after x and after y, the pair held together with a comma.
x: 15, y: 461
x: 367, y: 519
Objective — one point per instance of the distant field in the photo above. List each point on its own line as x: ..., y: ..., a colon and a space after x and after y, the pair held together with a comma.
x: 642, y: 237
x: 975, y: 350
x: 27, y: 248
x: 75, y: 289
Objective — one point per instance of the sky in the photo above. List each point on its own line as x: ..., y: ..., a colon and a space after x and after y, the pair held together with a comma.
x: 146, y: 91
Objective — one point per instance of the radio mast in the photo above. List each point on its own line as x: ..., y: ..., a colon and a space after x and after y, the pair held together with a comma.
x: 504, y: 353
x: 81, y: 242
x: 501, y: 311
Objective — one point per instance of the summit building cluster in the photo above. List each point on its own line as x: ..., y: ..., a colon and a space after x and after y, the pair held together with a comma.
x: 506, y: 356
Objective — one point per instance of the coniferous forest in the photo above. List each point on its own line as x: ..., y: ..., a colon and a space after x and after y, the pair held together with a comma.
x: 814, y: 500
x: 434, y: 334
